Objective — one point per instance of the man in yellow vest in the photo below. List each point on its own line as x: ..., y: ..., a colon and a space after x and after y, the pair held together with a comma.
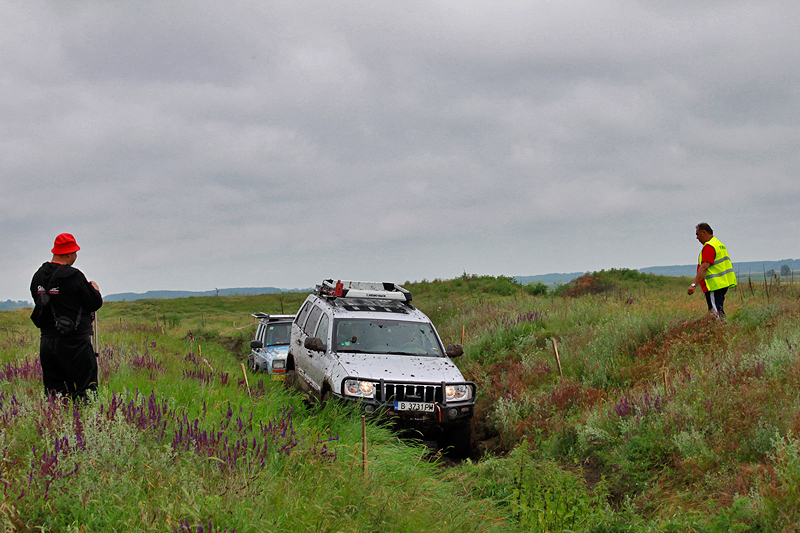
x: 715, y: 273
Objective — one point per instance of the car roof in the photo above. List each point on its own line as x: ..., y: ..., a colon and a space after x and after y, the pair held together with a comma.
x: 370, y: 308
x: 264, y: 317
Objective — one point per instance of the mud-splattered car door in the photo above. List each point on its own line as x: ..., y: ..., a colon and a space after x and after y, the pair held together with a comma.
x: 307, y: 360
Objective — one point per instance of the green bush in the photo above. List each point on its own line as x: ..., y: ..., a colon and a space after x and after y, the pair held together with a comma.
x: 535, y: 288
x: 779, y: 493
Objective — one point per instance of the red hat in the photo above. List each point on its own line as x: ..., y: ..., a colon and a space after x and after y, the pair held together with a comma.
x: 65, y: 244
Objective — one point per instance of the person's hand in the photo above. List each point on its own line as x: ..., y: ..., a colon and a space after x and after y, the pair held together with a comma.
x: 691, y: 290
x: 94, y: 284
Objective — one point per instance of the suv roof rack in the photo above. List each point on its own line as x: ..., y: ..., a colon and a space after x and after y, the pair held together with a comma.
x: 363, y: 289
x: 267, y: 316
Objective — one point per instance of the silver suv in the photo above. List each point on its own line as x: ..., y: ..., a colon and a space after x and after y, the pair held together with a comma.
x: 364, y: 342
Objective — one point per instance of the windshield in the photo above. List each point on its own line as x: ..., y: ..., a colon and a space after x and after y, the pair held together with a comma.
x: 278, y: 334
x: 385, y: 337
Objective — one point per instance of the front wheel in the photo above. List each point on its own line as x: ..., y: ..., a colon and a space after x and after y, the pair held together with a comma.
x: 290, y: 379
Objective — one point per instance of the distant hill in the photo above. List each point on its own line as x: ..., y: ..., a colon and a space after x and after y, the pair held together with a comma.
x: 130, y: 296
x: 754, y: 269
x: 550, y: 279
x: 8, y: 305
x: 745, y: 269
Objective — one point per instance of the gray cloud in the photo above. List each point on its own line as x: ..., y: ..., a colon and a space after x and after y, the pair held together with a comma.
x: 191, y: 145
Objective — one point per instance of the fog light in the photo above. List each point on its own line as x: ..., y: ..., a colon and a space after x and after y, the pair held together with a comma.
x: 369, y: 409
x: 452, y: 412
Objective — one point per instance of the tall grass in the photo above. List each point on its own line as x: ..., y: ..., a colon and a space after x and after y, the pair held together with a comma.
x: 177, y: 441
x: 677, y: 412
x: 658, y: 418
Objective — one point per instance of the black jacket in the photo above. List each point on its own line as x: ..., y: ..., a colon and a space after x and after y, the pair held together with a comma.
x: 69, y: 293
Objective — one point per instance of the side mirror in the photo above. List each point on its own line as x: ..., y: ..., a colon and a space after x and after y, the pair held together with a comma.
x: 455, y: 350
x: 256, y: 345
x: 314, y: 344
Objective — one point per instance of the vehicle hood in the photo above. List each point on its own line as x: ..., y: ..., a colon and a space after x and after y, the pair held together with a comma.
x: 400, y: 367
x: 272, y: 352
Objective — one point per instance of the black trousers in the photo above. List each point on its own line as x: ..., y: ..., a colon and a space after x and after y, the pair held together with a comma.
x: 69, y: 365
x: 716, y: 301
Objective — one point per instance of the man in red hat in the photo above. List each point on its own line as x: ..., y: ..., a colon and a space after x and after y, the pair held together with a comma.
x: 65, y: 302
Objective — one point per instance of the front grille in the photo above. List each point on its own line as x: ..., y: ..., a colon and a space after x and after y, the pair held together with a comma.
x: 409, y: 392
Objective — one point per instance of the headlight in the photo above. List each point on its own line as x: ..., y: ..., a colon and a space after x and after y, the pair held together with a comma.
x: 358, y: 388
x: 278, y: 364
x: 458, y: 393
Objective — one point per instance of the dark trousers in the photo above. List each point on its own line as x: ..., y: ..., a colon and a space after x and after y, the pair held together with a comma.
x: 716, y: 301
x: 69, y: 365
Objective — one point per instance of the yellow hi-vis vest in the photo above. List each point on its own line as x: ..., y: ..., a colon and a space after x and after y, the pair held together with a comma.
x: 720, y: 274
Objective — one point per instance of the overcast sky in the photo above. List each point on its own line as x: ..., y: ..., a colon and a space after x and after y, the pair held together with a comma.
x: 214, y: 144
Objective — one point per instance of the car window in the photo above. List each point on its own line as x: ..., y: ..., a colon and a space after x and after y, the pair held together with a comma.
x: 260, y: 332
x: 322, y: 330
x: 278, y: 334
x: 313, y: 318
x: 302, y: 315
x: 390, y: 337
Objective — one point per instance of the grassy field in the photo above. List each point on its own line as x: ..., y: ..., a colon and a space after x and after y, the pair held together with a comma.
x: 651, y: 417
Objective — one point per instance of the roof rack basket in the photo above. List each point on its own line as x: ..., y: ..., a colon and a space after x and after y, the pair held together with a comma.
x: 363, y: 289
x: 266, y: 316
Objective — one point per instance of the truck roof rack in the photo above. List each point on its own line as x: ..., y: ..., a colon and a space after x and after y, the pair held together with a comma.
x: 363, y: 289
x: 267, y: 316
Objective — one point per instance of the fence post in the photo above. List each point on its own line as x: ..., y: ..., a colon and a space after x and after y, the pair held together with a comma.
x: 246, y: 382
x: 364, y: 444
x: 558, y: 359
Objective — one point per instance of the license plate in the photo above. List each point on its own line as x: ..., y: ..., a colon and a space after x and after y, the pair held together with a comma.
x: 278, y: 377
x: 415, y: 406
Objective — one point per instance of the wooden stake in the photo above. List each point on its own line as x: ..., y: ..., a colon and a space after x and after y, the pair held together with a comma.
x: 364, y: 444
x: 666, y: 382
x: 200, y: 355
x: 558, y: 359
x: 463, y: 329
x: 245, y: 381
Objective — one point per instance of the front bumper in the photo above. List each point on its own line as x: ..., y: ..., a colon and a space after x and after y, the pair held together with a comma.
x: 266, y: 364
x: 442, y: 414
x: 389, y: 395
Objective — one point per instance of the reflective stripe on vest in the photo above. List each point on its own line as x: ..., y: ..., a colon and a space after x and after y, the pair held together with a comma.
x: 720, y: 274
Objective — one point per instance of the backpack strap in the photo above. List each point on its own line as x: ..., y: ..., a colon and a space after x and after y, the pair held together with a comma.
x: 53, y: 311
